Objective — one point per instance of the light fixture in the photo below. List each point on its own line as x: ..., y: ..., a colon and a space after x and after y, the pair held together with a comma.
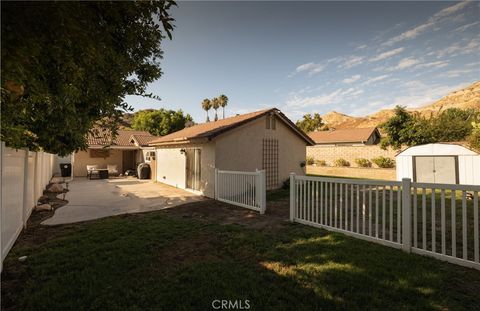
x: 182, y: 151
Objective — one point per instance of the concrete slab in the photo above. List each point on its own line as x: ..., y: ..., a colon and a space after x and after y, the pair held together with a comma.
x: 93, y: 199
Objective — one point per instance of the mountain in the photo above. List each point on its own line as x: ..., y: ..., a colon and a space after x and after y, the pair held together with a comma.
x: 468, y: 97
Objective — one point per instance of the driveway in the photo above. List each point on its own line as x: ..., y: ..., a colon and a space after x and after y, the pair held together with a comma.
x: 92, y: 199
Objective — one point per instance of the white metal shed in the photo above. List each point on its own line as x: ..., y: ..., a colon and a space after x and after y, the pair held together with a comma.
x: 445, y: 163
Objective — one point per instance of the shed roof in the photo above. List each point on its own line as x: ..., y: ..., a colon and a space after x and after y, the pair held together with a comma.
x: 343, y: 136
x: 125, y: 138
x: 210, y: 130
x: 438, y: 149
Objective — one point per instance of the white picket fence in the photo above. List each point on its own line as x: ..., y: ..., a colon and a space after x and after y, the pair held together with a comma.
x: 245, y: 189
x: 24, y: 176
x: 422, y: 218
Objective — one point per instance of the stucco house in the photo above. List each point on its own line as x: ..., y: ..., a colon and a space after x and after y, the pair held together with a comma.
x: 347, y: 137
x: 264, y: 139
x: 126, y: 151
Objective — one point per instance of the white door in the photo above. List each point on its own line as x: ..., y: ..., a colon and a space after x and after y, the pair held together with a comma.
x: 442, y: 170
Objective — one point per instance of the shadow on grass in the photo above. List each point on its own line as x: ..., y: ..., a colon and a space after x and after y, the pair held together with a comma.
x: 154, y: 261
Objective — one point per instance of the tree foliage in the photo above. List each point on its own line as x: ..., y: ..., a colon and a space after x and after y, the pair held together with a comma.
x: 310, y: 124
x: 410, y: 129
x: 67, y: 66
x: 160, y: 122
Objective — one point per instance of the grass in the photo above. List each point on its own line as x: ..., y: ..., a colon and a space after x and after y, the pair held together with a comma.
x: 166, y: 262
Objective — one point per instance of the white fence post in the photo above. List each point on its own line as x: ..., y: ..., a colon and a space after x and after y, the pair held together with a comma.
x: 216, y: 184
x: 263, y: 192
x: 25, y: 188
x: 292, y: 197
x: 406, y: 215
x: 2, y: 153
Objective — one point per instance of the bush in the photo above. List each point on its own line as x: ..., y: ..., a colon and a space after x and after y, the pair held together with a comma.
x: 361, y: 162
x: 310, y: 160
x: 321, y: 162
x: 286, y: 184
x: 341, y: 162
x: 384, y: 162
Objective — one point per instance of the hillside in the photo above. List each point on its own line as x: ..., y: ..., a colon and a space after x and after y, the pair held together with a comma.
x: 468, y: 97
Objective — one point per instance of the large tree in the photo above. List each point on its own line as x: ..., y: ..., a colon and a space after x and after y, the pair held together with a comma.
x: 310, y: 124
x: 67, y: 66
x: 160, y: 122
x: 409, y: 129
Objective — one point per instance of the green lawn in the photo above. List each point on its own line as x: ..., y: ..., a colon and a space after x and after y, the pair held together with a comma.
x: 166, y: 262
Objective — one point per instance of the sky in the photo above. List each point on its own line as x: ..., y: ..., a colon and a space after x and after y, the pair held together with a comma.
x: 305, y: 57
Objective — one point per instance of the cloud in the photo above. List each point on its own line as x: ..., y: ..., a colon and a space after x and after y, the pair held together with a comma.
x: 430, y: 23
x: 361, y: 47
x: 311, y: 68
x: 352, y: 61
x: 458, y: 48
x: 334, y: 97
x: 437, y: 64
x: 351, y: 79
x: 454, y: 73
x: 375, y: 79
x: 386, y: 55
x: 465, y: 27
x: 404, y: 63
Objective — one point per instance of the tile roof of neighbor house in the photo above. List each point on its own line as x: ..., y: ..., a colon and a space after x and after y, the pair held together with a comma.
x: 123, y: 139
x: 211, y: 129
x: 343, y: 136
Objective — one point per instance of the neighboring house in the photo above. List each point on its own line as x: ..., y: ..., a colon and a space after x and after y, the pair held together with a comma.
x: 264, y: 139
x: 126, y: 151
x: 348, y: 137
x: 445, y: 163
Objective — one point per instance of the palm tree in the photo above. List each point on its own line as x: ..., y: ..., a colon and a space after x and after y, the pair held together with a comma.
x: 207, y: 105
x: 215, y: 106
x: 223, y: 103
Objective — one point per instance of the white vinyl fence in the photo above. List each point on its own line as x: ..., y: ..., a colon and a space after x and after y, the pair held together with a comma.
x: 439, y: 220
x: 245, y: 189
x: 24, y: 176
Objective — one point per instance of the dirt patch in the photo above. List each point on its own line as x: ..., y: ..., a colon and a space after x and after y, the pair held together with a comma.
x: 275, y: 217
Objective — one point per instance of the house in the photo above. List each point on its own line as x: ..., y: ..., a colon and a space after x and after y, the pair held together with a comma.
x: 126, y: 151
x: 264, y: 139
x: 444, y: 163
x: 347, y: 137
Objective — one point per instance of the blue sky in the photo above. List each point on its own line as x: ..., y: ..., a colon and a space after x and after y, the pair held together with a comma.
x: 305, y: 57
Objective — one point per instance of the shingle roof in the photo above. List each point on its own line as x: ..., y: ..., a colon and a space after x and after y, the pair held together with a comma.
x: 123, y: 139
x: 212, y: 129
x: 343, y: 136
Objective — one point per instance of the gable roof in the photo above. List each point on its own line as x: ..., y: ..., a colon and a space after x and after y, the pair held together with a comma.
x: 123, y: 139
x: 343, y: 136
x: 210, y: 130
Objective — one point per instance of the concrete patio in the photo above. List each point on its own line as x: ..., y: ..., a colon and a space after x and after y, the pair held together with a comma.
x: 93, y: 199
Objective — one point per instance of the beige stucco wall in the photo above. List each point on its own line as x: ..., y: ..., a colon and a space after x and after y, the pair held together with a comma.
x: 171, y: 166
x: 349, y: 153
x: 82, y: 159
x: 354, y: 172
x: 242, y: 148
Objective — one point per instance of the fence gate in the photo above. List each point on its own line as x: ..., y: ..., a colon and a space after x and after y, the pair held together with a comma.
x: 245, y: 189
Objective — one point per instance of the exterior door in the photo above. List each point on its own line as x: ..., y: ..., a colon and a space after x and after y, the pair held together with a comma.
x: 193, y: 168
x: 442, y: 170
x: 128, y: 160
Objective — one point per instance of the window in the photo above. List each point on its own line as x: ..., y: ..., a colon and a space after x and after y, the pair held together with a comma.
x: 267, y: 124
x: 149, y: 156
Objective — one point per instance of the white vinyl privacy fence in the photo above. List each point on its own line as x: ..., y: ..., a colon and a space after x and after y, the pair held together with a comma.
x: 245, y: 189
x: 24, y: 176
x: 439, y: 220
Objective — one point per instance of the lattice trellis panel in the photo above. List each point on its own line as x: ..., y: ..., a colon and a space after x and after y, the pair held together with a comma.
x: 270, y: 162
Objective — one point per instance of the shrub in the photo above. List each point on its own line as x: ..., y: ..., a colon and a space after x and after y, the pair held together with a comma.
x: 321, y: 162
x: 384, y: 162
x: 361, y: 162
x: 341, y: 162
x: 310, y: 160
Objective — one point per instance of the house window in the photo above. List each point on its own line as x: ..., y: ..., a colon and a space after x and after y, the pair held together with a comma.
x: 270, y: 162
x: 99, y: 153
x: 149, y: 156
